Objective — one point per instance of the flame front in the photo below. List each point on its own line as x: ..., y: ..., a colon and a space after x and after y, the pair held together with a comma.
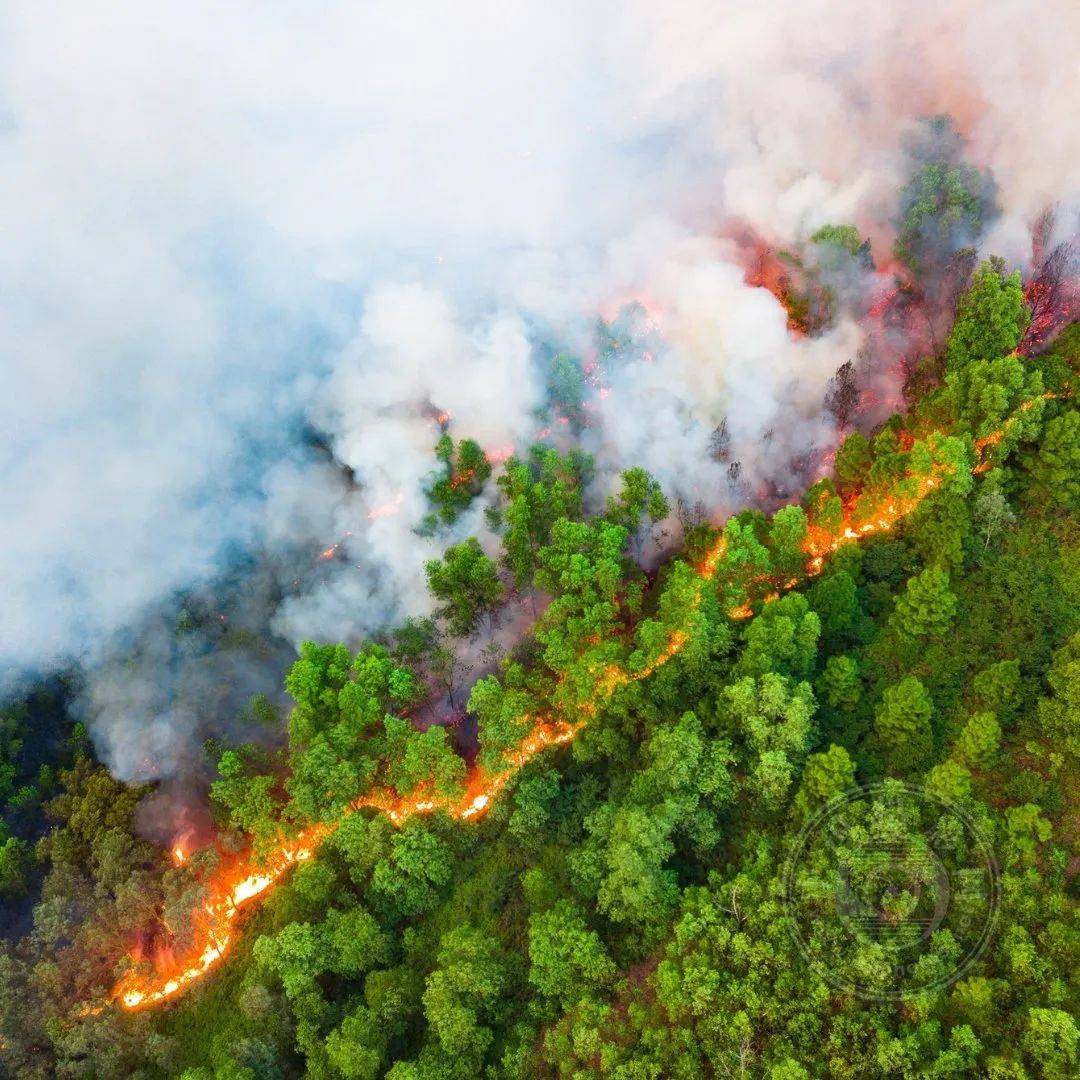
x: 230, y: 894
x: 247, y: 881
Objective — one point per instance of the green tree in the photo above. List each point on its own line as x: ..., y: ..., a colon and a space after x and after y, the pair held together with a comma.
x: 825, y: 776
x: 505, y: 713
x: 537, y: 493
x: 990, y: 320
x: 997, y: 687
x: 942, y: 204
x: 839, y: 685
x: 834, y: 597
x: 423, y: 758
x: 950, y: 781
x: 825, y: 510
x: 1055, y: 465
x: 775, y: 717
x: 1059, y: 713
x: 14, y: 861
x: 297, y: 955
x: 927, y: 607
x: 782, y: 639
x: 979, y: 739
x: 354, y: 942
x: 845, y: 237
x: 902, y: 724
x: 357, y: 1047
x: 337, y: 731
x: 315, y: 681
x: 746, y: 562
x: 248, y: 796
x: 639, y: 497
x: 566, y: 959
x: 1052, y: 1042
x: 940, y: 527
x: 465, y: 989
x: 467, y: 582
x: 685, y: 775
x: 992, y: 513
x: 987, y: 396
x: 582, y: 567
x: 625, y: 862
x: 787, y: 535
x: 566, y: 390
x: 467, y: 470
x: 853, y: 461
x: 410, y: 881
x: 532, y: 806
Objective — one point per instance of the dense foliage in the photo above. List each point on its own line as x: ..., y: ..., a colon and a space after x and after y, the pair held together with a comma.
x: 619, y: 910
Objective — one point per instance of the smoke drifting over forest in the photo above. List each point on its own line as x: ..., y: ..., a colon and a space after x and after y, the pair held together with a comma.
x: 257, y: 258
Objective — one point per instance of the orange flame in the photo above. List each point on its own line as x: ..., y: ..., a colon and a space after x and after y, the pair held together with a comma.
x: 463, y: 477
x: 246, y: 881
x: 820, y: 542
x: 333, y: 549
x: 221, y: 911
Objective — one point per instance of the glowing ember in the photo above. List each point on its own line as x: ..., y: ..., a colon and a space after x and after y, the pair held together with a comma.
x: 708, y: 566
x: 498, y: 454
x: 462, y: 477
x: 766, y: 268
x: 995, y: 437
x: 387, y: 509
x: 333, y: 549
x: 1051, y: 293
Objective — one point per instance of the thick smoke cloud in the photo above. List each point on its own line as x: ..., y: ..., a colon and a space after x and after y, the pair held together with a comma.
x: 228, y: 229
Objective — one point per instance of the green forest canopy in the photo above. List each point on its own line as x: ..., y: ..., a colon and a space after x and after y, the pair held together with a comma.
x: 619, y: 910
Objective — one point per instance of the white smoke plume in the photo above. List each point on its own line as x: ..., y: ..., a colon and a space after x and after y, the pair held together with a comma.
x: 235, y: 235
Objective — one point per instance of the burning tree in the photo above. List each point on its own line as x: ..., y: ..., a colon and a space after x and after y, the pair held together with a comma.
x: 1050, y: 288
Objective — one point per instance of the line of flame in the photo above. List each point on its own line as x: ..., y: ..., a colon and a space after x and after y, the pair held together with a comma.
x: 482, y: 788
x: 134, y: 992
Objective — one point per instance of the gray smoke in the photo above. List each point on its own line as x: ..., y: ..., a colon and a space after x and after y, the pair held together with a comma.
x: 251, y: 250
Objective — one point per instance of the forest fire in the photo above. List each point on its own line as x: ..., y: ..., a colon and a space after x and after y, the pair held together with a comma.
x: 386, y: 509
x: 249, y: 880
x: 995, y: 437
x: 221, y: 912
x: 767, y: 269
x: 496, y: 455
x: 462, y: 478
x: 821, y: 542
x: 1051, y: 292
